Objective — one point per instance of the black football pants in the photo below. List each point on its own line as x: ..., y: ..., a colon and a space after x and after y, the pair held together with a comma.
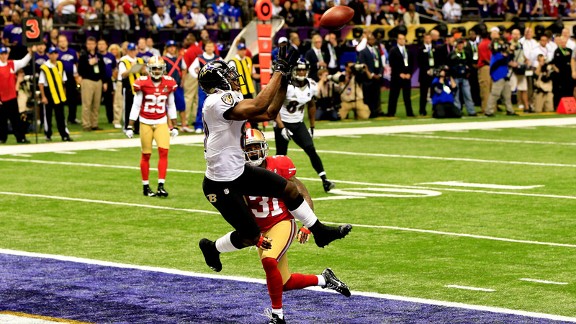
x: 302, y: 138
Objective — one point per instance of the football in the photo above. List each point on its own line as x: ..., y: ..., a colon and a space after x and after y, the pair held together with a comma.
x: 336, y: 17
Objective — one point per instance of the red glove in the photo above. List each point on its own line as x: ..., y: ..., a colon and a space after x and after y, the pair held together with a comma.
x: 303, y: 235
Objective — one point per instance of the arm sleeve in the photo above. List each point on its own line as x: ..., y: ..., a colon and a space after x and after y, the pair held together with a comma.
x: 193, y: 67
x: 121, y: 69
x: 19, y: 64
x: 171, y: 109
x: 135, y: 111
x: 362, y: 44
x: 64, y: 77
x: 42, y: 79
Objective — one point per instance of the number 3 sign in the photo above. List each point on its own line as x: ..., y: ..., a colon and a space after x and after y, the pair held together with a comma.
x: 32, y: 31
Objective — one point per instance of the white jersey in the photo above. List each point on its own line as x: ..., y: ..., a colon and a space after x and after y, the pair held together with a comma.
x: 224, y: 138
x: 292, y: 110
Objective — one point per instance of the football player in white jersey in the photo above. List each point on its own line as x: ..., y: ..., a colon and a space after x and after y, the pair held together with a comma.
x: 290, y: 121
x: 228, y: 179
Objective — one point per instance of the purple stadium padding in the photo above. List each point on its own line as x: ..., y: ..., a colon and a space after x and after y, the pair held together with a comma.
x: 105, y: 294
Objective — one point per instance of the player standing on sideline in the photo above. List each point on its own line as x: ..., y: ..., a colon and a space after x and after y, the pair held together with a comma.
x: 228, y: 179
x: 154, y: 99
x: 276, y: 223
x: 290, y: 121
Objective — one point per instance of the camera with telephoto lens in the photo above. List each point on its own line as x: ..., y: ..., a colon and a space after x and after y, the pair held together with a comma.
x: 337, y: 77
x: 359, y: 67
x: 436, y: 72
x: 501, y: 46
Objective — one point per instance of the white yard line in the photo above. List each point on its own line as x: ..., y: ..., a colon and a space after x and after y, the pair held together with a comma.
x: 416, y: 128
x: 488, y: 140
x: 261, y: 281
x: 470, y: 288
x: 480, y: 185
x: 395, y: 228
x: 106, y: 202
x: 543, y: 281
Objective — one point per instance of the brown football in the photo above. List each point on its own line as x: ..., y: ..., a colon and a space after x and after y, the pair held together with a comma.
x: 336, y: 17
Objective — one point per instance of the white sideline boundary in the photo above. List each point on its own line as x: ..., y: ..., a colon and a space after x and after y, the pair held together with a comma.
x: 263, y: 282
x: 381, y: 130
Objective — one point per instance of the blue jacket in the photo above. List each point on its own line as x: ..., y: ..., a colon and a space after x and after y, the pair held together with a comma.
x: 499, y: 66
x: 439, y: 95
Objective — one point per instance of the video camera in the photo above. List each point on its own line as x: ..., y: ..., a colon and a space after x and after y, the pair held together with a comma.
x: 436, y: 72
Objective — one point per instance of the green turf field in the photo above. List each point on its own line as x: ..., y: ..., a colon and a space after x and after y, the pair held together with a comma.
x: 413, y: 236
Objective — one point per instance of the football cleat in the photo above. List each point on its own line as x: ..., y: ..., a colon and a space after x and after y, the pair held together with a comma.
x: 326, y: 234
x: 332, y: 282
x: 161, y: 191
x: 211, y: 254
x: 148, y: 192
x: 273, y: 318
x: 328, y: 185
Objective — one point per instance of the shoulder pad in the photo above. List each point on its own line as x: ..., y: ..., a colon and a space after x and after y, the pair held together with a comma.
x: 167, y: 77
x: 143, y: 77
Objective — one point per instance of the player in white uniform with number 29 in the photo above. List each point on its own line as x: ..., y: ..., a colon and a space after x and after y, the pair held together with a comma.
x: 228, y: 179
x: 290, y: 122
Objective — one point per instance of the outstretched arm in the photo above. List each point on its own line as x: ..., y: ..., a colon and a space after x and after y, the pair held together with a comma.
x: 253, y: 108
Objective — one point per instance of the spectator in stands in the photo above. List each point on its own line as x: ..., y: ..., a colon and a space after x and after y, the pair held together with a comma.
x: 108, y: 21
x: 108, y: 91
x: 543, y: 95
x: 12, y: 35
x: 69, y: 59
x: 318, y: 8
x: 460, y: 63
x: 288, y: 14
x: 40, y: 57
x: 37, y: 8
x: 513, y: 9
x: 359, y: 11
x: 143, y: 51
x: 563, y: 84
x: 116, y: 51
x: 317, y: 57
x: 51, y: 85
x: 351, y: 92
x: 162, y: 19
x: 64, y: 12
x: 183, y: 19
x: 386, y: 17
x: 92, y: 71
x: 304, y: 16
x: 121, y: 20
x: 531, y: 8
x: 452, y: 11
x: 397, y: 8
x: 5, y: 17
x: 498, y: 9
x: 484, y: 8
x: 128, y: 77
x: 372, y: 14
x: 9, y: 108
x: 211, y: 18
x: 411, y: 17
x: 83, y: 12
x: 47, y: 22
x: 426, y: 63
x: 221, y: 9
x: 371, y: 86
x: 207, y: 56
x: 500, y: 62
x: 431, y: 10
x: 53, y: 38
x: 94, y: 19
x: 235, y: 15
x: 198, y: 18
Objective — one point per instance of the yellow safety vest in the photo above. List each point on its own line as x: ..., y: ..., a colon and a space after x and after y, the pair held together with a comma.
x: 244, y: 68
x: 54, y: 78
x: 132, y: 77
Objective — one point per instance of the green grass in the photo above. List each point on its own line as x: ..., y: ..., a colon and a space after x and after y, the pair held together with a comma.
x: 371, y: 259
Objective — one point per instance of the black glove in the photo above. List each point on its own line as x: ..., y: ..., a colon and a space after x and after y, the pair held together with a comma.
x: 287, y: 58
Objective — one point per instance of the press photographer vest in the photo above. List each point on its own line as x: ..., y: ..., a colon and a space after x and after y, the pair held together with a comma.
x: 129, y: 83
x: 244, y: 68
x: 53, y: 76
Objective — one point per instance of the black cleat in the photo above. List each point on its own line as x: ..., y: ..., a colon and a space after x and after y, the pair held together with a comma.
x: 148, y: 192
x: 328, y: 185
x: 161, y: 191
x: 326, y: 234
x: 211, y: 255
x: 273, y: 318
x: 332, y: 282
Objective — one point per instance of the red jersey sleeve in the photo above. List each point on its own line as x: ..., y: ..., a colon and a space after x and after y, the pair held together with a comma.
x: 137, y: 85
x: 282, y: 165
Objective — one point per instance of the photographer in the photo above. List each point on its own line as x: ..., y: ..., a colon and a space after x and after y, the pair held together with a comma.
x: 443, y: 89
x: 327, y: 98
x: 460, y: 62
x: 351, y: 93
x: 543, y: 95
x: 500, y: 62
x: 518, y: 80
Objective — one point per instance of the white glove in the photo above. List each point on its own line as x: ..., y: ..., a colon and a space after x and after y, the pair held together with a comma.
x: 311, y: 131
x: 174, y: 132
x: 286, y: 133
x: 129, y: 133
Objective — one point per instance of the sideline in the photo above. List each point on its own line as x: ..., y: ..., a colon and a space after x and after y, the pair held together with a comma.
x: 263, y: 282
x: 193, y: 139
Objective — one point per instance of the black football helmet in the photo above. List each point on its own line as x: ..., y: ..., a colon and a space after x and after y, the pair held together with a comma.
x: 300, y: 70
x: 217, y: 75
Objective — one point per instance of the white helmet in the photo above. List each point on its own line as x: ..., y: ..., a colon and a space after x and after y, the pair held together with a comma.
x: 156, y: 67
x: 255, y: 147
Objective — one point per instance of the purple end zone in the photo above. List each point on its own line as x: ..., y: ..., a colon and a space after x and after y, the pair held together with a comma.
x: 108, y: 294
